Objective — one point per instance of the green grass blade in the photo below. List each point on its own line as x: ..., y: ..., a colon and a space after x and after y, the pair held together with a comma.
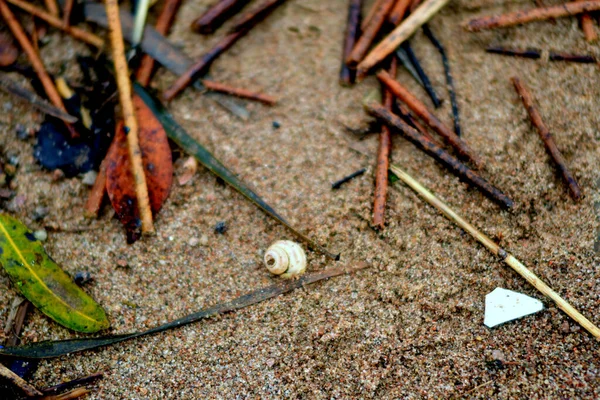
x: 177, y: 134
x: 41, y: 281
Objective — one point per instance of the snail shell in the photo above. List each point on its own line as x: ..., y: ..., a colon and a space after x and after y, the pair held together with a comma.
x: 285, y: 258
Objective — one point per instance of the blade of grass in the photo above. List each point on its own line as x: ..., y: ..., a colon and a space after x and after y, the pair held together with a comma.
x: 51, y: 349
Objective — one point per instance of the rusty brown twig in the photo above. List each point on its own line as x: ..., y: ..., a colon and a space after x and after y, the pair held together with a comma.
x: 439, y: 154
x: 34, y: 59
x: 239, y: 92
x: 587, y: 26
x: 163, y: 24
x: 534, y: 14
x: 383, y: 157
x: 399, y: 11
x: 131, y: 124
x: 370, y: 32
x: 430, y: 119
x: 202, y: 65
x: 67, y: 10
x: 372, y: 11
x: 56, y: 22
x: 52, y: 7
x: 216, y: 15
x: 546, y: 136
x: 347, y: 75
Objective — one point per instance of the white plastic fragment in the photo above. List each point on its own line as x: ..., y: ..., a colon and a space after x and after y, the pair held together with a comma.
x: 504, y: 305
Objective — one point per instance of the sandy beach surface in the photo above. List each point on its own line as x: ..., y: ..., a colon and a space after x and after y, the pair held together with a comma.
x: 409, y: 326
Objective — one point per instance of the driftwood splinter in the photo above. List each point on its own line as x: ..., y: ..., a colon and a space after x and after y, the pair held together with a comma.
x: 511, y: 261
x: 546, y: 136
x: 247, y: 22
x: 131, y: 125
x: 405, y: 30
x: 439, y: 154
x: 534, y: 14
x: 419, y: 108
x: 347, y: 75
x: 216, y: 15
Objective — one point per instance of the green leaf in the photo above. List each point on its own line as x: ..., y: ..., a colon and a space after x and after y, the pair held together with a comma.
x: 177, y: 134
x: 51, y: 349
x: 39, y: 279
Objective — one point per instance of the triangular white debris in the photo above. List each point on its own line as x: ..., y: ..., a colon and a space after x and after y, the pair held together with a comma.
x: 503, y: 305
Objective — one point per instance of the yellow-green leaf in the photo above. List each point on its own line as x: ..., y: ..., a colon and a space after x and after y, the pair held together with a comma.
x: 39, y: 279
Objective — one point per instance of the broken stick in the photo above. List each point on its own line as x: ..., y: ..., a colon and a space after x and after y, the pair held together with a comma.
x: 534, y: 14
x: 347, y: 75
x: 370, y: 32
x: 421, y: 110
x: 439, y: 154
x: 131, y: 125
x: 383, y: 158
x: 511, y: 261
x: 405, y: 30
x: 546, y: 136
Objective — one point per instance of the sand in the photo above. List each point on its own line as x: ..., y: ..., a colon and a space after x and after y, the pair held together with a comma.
x: 410, y: 326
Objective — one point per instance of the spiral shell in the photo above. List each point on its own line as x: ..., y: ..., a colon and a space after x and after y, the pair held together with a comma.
x: 285, y: 258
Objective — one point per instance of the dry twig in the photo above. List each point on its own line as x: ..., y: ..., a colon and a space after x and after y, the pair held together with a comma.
x: 370, y: 32
x: 131, y: 125
x: 440, y: 155
x: 421, y: 110
x: 546, y: 136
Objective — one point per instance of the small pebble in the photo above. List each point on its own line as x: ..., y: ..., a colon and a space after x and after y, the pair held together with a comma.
x: 82, y: 277
x: 41, y: 235
x: 276, y: 125
x: 221, y: 227
x: 498, y: 355
x: 89, y: 178
x: 193, y: 241
x: 40, y: 213
x: 121, y: 262
x: 204, y: 240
